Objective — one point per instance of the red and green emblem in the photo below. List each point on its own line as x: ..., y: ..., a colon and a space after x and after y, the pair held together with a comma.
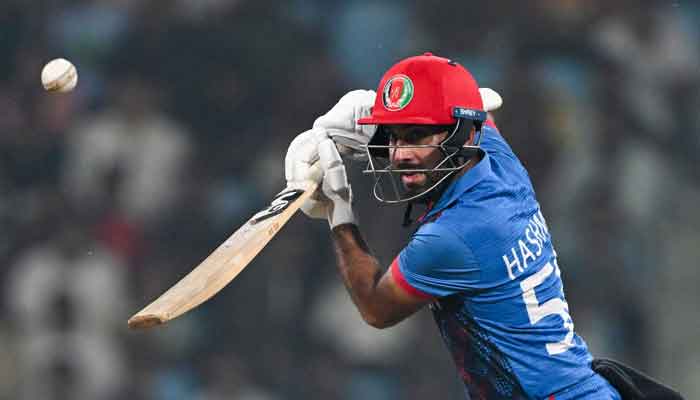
x: 397, y: 93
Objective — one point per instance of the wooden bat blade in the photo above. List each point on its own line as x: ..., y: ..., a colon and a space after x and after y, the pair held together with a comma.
x: 224, y: 263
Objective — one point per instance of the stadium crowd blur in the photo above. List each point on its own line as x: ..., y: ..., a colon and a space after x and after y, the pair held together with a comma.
x: 176, y: 134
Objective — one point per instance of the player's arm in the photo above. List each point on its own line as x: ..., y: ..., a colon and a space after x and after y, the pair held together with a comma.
x: 381, y: 300
x: 434, y: 264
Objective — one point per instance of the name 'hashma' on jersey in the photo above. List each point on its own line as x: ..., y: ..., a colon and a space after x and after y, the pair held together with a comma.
x: 537, y: 235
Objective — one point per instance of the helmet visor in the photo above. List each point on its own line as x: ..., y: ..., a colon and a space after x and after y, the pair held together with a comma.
x: 398, y: 182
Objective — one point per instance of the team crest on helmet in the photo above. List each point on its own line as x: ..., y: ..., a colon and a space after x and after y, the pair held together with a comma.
x: 397, y: 93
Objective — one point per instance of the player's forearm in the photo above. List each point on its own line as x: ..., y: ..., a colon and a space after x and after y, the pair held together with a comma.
x: 360, y: 272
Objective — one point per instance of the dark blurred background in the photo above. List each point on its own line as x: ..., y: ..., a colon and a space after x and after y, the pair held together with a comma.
x: 177, y: 132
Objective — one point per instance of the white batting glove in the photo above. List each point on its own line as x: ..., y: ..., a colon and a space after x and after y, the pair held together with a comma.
x: 340, y: 123
x: 335, y: 187
x: 312, y: 155
x: 299, y: 162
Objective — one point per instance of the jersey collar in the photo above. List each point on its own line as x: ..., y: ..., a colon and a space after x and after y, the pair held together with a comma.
x: 465, y: 182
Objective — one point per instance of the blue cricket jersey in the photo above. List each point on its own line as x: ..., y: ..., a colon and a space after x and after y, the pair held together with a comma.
x: 485, y: 254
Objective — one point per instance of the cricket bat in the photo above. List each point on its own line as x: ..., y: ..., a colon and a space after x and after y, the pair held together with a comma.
x: 224, y: 263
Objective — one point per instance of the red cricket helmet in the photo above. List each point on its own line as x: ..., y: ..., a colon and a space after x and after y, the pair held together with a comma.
x: 426, y: 90
x: 423, y: 90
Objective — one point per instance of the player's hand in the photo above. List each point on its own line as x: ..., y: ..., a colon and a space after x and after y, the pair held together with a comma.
x: 333, y: 199
x: 299, y: 168
x: 335, y: 187
x: 340, y: 123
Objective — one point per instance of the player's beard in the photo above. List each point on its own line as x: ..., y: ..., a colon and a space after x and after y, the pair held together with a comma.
x: 417, y: 183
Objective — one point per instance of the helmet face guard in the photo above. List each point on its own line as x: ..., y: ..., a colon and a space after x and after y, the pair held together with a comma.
x: 423, y: 90
x: 388, y: 187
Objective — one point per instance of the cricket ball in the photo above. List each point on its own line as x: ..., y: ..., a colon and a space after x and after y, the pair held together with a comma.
x: 59, y: 75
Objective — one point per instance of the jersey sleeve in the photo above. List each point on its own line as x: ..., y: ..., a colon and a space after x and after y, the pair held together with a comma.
x: 436, y: 263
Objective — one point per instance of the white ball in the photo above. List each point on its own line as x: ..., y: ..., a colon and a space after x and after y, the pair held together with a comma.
x: 59, y: 75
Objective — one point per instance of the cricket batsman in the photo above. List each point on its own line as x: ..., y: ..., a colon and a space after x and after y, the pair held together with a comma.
x: 481, y: 256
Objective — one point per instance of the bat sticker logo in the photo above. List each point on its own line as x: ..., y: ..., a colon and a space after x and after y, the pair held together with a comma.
x: 279, y: 204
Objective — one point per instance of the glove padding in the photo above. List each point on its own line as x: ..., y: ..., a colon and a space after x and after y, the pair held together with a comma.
x: 300, y: 165
x: 335, y: 184
x: 333, y: 200
x: 340, y: 123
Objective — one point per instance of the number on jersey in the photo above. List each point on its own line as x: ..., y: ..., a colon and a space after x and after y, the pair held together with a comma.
x: 556, y: 306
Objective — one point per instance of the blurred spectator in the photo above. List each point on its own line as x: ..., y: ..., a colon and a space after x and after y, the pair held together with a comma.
x: 133, y: 152
x: 66, y: 298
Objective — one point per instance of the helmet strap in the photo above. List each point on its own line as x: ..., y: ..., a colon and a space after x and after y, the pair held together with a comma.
x: 407, y: 221
x: 453, y: 146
